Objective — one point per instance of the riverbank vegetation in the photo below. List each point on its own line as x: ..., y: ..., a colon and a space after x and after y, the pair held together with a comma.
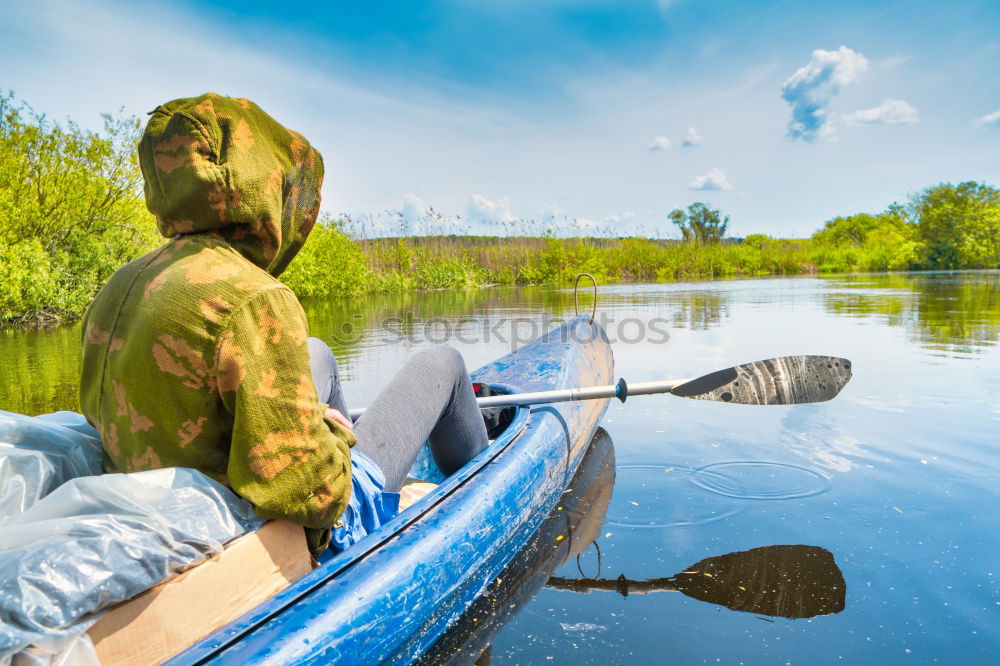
x: 71, y: 213
x: 942, y: 227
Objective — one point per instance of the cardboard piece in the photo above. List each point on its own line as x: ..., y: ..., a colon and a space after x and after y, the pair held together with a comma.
x: 412, y: 492
x: 174, y: 615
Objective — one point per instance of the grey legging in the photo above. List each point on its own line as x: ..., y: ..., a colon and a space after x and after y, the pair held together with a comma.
x: 429, y: 399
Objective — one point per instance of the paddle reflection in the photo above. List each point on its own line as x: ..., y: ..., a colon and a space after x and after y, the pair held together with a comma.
x: 780, y: 581
x: 792, y: 581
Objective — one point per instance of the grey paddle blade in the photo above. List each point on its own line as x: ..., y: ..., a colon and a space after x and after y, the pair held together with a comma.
x: 780, y: 581
x: 789, y: 380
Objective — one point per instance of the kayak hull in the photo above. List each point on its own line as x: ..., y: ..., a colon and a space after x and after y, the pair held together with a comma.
x: 395, y: 593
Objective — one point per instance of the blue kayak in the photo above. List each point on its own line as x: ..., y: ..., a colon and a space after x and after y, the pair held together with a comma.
x: 394, y: 594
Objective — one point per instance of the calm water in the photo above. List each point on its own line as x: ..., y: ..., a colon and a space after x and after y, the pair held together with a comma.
x: 896, y: 478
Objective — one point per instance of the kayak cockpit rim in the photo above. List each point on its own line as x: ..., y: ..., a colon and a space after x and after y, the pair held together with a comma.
x: 302, y: 588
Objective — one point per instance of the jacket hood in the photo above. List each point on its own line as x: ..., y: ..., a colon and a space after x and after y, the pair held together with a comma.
x: 221, y: 164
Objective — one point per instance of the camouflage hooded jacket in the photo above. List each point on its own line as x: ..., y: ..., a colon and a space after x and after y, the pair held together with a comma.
x: 195, y: 355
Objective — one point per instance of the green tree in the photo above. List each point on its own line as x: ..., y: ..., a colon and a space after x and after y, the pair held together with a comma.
x: 881, y: 242
x: 329, y: 263
x: 700, y: 224
x: 71, y: 210
x: 757, y: 241
x: 959, y: 224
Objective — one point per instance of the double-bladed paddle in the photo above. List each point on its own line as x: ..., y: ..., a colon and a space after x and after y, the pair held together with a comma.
x: 789, y: 380
x: 780, y: 581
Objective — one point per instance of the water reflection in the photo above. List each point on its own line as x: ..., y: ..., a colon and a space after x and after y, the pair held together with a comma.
x: 701, y: 310
x: 693, y: 308
x: 952, y: 313
x: 957, y: 313
x: 40, y: 370
x: 566, y: 533
x: 781, y: 581
x: 791, y: 581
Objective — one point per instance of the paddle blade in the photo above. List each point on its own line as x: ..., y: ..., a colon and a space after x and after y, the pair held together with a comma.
x: 780, y: 581
x: 789, y: 380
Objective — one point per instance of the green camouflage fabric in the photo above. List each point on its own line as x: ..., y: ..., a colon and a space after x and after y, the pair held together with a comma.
x: 195, y: 355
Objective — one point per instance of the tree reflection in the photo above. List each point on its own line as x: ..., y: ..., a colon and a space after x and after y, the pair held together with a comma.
x: 957, y: 312
x: 40, y: 370
x: 701, y: 310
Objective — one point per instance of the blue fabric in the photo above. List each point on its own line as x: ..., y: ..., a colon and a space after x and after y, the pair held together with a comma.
x: 369, y: 508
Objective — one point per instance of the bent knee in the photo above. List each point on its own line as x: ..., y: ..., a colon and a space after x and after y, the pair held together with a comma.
x: 318, y: 348
x: 446, y: 358
x: 321, y: 359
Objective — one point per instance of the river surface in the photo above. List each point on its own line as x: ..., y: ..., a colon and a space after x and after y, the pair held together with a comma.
x: 897, y: 478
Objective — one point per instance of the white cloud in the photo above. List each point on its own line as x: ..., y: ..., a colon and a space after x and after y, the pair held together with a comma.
x: 889, y: 112
x: 989, y: 120
x: 418, y: 218
x: 660, y: 143
x: 550, y: 214
x: 619, y: 218
x: 485, y: 210
x: 715, y: 179
x: 414, y: 214
x: 693, y: 139
x: 811, y: 88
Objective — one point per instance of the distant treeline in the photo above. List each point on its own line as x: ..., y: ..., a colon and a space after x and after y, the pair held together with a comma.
x: 71, y: 213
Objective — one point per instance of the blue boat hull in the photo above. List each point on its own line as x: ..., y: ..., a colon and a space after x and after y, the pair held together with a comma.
x: 395, y: 593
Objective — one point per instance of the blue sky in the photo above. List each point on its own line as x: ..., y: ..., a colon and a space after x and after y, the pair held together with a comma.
x: 610, y: 112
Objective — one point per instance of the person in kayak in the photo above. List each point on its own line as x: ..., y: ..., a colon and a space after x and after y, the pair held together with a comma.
x: 195, y: 355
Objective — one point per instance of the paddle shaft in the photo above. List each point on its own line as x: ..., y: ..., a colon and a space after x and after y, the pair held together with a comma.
x: 789, y: 380
x: 620, y: 390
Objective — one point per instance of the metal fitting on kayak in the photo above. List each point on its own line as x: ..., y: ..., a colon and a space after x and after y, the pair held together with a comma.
x: 576, y: 295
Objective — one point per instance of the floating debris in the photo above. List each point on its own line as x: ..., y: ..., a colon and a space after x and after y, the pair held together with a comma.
x: 582, y: 626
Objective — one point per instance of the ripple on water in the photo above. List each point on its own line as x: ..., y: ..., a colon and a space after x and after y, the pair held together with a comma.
x: 759, y: 480
x: 662, y: 496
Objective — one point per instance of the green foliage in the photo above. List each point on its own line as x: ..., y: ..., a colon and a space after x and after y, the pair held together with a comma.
x: 329, y: 263
x: 863, y: 242
x: 700, y: 224
x: 960, y: 225
x: 27, y: 279
x: 758, y: 241
x: 945, y: 226
x: 71, y: 211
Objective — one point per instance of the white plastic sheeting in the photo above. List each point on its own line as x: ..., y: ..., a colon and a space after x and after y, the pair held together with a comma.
x: 82, y: 544
x: 40, y: 453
